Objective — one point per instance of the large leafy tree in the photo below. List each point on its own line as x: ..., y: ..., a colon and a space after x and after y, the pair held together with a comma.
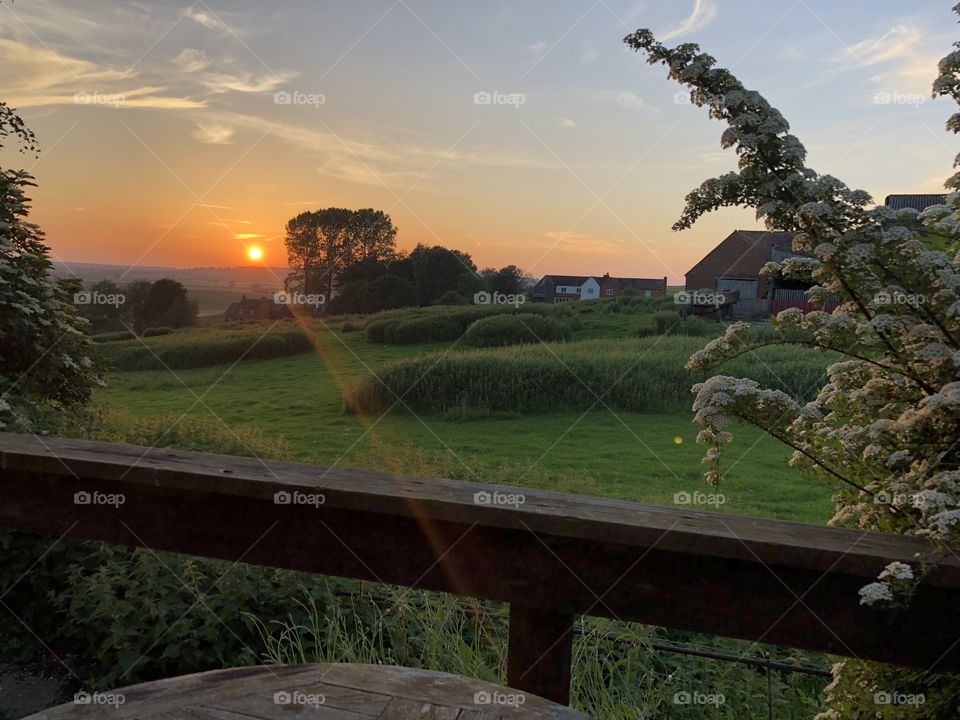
x: 167, y: 305
x: 323, y: 245
x: 437, y: 270
x: 44, y: 363
x: 886, y: 424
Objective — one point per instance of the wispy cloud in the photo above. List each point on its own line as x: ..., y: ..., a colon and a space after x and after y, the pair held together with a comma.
x: 192, y: 60
x: 213, y: 133
x: 624, y: 98
x: 899, y: 58
x: 703, y: 13
x: 246, y: 82
x: 207, y: 19
x: 38, y: 76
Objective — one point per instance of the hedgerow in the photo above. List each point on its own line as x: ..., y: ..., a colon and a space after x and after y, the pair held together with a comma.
x: 515, y: 329
x: 436, y: 323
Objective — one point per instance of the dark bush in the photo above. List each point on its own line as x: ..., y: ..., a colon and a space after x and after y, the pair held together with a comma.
x: 515, y: 329
x: 114, y: 336
x: 435, y: 323
x: 156, y: 331
x: 665, y: 321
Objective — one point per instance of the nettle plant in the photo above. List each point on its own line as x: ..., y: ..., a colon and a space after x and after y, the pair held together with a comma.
x: 886, y: 424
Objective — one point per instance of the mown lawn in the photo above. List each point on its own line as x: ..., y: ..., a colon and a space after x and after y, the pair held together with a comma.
x: 633, y: 456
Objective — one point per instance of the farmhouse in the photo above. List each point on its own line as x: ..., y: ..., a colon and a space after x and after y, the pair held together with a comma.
x: 563, y: 288
x: 735, y: 264
x: 256, y: 309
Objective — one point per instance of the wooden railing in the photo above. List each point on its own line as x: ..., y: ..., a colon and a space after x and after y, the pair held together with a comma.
x: 551, y: 557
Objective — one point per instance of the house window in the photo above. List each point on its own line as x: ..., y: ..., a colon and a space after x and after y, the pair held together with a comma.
x: 579, y: 290
x: 589, y: 291
x: 609, y: 292
x: 241, y: 312
x: 648, y: 293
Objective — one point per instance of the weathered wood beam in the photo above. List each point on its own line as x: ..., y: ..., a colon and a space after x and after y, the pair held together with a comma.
x: 554, y: 555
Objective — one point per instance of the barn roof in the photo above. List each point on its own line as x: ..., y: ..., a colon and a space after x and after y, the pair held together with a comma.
x: 917, y: 202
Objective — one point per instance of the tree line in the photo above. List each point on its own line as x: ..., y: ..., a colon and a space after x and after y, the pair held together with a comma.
x: 139, y: 305
x: 351, y: 258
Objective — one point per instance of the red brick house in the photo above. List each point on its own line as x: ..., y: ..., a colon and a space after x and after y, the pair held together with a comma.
x: 735, y: 264
x: 256, y: 309
x: 563, y: 288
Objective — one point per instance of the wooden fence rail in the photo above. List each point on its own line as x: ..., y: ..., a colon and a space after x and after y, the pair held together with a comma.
x: 552, y: 556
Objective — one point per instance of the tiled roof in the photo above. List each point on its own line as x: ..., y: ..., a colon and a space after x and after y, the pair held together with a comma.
x: 917, y: 202
x: 567, y: 279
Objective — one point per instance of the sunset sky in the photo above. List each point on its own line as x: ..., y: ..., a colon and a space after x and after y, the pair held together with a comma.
x: 165, y: 142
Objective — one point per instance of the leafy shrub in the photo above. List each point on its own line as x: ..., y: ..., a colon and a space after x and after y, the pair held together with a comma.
x: 114, y: 336
x: 515, y: 329
x: 434, y: 324
x: 634, y: 375
x: 665, y: 321
x: 696, y: 327
x: 349, y: 326
x: 156, y: 331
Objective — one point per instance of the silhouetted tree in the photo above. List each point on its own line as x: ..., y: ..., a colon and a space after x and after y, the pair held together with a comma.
x: 134, y: 306
x: 437, y: 270
x: 167, y: 305
x: 322, y: 245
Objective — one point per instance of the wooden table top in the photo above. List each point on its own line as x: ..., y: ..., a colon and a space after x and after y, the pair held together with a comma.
x: 324, y: 692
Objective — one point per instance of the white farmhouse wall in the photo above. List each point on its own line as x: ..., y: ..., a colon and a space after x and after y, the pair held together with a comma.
x: 590, y: 290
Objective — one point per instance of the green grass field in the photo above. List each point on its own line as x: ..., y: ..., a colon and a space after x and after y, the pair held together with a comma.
x: 636, y: 456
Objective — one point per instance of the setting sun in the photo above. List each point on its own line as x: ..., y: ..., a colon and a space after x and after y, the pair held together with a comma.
x: 254, y: 252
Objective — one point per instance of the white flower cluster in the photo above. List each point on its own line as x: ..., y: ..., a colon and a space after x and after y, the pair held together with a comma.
x: 887, y: 422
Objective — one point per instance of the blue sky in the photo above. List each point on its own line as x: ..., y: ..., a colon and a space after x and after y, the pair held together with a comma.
x: 165, y: 144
